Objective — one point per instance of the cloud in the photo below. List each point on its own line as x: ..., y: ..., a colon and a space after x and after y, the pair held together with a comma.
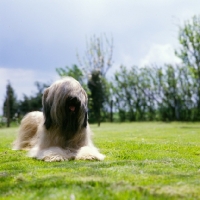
x: 159, y: 55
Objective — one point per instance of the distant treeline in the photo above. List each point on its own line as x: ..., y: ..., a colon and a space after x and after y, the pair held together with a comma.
x: 166, y: 93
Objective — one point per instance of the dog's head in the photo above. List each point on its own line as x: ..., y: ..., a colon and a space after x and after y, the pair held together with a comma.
x: 65, y: 106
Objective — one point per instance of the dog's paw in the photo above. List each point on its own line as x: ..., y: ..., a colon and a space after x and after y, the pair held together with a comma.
x: 54, y: 158
x: 90, y: 157
x: 88, y: 153
x: 100, y: 156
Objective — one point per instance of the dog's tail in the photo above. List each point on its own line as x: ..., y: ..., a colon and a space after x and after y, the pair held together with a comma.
x: 27, y: 134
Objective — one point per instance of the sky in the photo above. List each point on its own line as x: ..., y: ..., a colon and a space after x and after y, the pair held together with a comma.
x: 38, y: 36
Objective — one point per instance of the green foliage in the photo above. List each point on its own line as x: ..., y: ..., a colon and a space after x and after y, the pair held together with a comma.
x: 155, y: 93
x: 189, y: 39
x: 125, y: 90
x: 10, y: 108
x: 133, y: 92
x: 74, y: 72
x: 11, y: 100
x: 143, y: 161
x: 189, y: 52
x: 96, y: 97
x: 32, y: 103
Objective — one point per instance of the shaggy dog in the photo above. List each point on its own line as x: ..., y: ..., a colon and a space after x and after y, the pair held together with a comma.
x: 62, y: 131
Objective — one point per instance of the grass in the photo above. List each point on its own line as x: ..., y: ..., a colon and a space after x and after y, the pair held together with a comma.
x: 143, y: 161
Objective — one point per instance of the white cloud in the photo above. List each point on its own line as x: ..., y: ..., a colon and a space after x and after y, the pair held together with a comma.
x: 159, y: 55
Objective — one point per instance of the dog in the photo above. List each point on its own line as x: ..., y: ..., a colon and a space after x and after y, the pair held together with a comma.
x: 61, y: 132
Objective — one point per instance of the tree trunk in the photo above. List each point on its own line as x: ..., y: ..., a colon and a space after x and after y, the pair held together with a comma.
x: 8, y: 109
x: 99, y: 117
x: 111, y: 111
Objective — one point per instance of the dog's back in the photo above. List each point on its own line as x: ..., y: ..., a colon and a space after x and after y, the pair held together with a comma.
x: 27, y: 134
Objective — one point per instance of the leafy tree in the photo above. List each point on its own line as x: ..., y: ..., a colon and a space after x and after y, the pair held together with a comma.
x: 96, y: 97
x: 186, y: 109
x: 147, y: 83
x: 189, y: 52
x: 10, y: 104
x: 96, y: 63
x: 171, y: 101
x: 107, y: 110
x: 153, y: 93
x: 74, y: 72
x: 130, y: 99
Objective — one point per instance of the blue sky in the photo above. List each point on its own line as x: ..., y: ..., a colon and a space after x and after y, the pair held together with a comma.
x: 37, y: 36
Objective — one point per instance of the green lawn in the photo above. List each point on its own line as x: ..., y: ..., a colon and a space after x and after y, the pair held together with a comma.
x: 143, y: 161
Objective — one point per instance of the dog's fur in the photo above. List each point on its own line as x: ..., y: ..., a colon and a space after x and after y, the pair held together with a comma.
x: 61, y: 132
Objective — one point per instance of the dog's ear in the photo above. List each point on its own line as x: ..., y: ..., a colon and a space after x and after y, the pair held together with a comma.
x: 46, y: 109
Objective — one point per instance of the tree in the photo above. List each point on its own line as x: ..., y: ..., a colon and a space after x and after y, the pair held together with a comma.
x: 74, y: 72
x: 131, y: 100
x: 171, y: 97
x: 96, y: 63
x: 98, y: 55
x: 154, y: 93
x: 147, y: 85
x: 10, y: 104
x: 96, y: 97
x: 189, y: 52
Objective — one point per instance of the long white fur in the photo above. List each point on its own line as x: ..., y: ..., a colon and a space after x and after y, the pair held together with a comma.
x: 41, y: 146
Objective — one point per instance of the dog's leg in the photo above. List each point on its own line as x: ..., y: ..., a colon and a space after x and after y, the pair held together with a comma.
x: 52, y: 154
x: 89, y: 153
